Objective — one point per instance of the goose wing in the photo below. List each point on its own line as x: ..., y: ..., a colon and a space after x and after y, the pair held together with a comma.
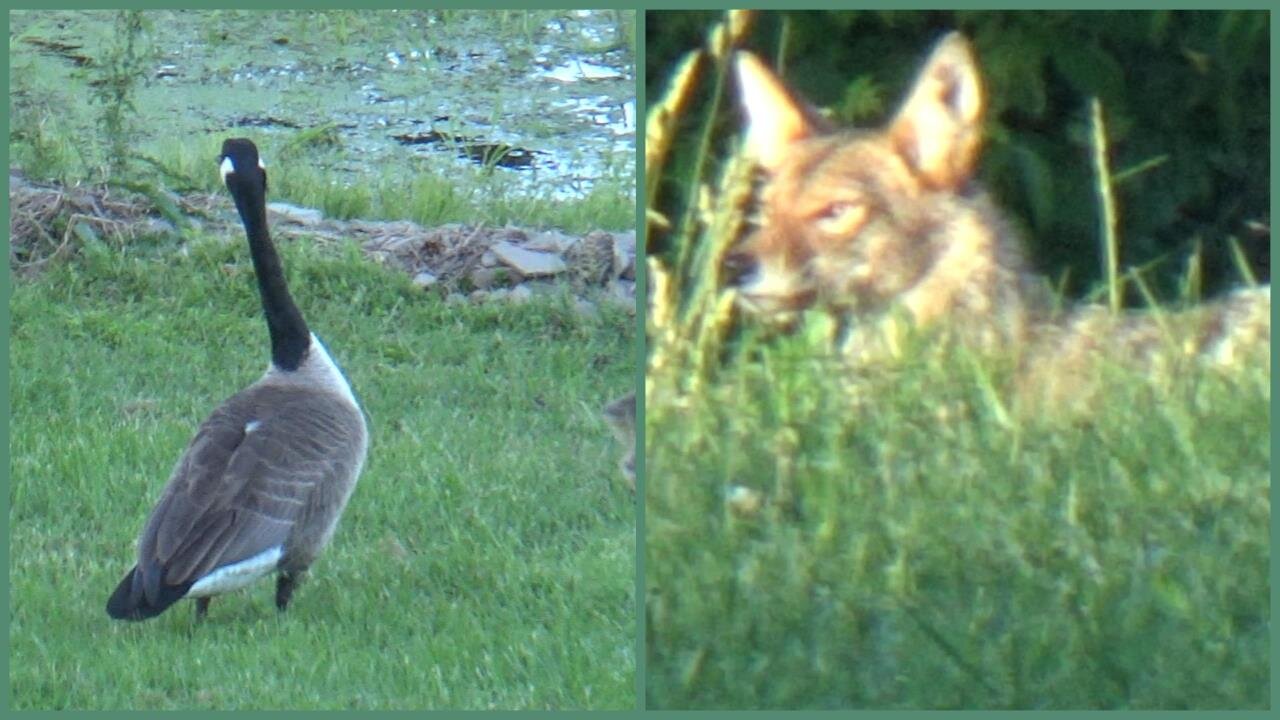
x: 242, y: 486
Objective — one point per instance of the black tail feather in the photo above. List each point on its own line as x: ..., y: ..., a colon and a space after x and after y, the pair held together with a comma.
x: 129, y: 602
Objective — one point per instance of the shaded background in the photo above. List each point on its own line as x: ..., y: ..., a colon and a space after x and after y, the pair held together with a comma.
x: 1185, y: 96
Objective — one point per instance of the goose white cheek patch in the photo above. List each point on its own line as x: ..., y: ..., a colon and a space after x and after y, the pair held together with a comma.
x: 227, y: 167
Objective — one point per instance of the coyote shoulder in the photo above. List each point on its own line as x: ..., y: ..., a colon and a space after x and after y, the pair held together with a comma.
x: 889, y: 223
x: 620, y: 415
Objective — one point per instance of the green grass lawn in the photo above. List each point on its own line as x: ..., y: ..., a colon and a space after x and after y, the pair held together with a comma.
x: 917, y: 546
x: 486, y: 559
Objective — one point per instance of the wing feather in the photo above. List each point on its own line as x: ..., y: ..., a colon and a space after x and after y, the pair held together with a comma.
x: 237, y: 492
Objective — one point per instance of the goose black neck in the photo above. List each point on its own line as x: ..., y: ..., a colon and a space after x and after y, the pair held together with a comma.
x: 290, y: 337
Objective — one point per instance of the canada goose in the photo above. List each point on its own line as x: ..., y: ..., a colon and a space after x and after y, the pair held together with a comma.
x: 263, y: 483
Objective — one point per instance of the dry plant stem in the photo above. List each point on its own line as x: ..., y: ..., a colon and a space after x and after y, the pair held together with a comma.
x: 1106, y: 200
x: 720, y: 44
x: 660, y: 125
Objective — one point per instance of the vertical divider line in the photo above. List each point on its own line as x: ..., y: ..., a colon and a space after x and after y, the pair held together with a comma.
x: 642, y: 294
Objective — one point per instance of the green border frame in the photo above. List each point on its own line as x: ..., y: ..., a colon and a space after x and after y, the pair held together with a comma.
x: 641, y: 6
x: 642, y: 293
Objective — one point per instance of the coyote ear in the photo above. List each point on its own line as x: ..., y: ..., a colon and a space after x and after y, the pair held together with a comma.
x: 939, y: 128
x: 775, y: 117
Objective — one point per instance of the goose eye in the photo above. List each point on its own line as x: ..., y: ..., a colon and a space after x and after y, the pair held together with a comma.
x: 842, y: 218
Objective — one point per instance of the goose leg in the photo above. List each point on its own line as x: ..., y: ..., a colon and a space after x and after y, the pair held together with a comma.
x: 284, y: 589
x: 202, y: 607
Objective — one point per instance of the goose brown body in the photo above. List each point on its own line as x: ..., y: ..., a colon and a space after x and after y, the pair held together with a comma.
x: 262, y: 485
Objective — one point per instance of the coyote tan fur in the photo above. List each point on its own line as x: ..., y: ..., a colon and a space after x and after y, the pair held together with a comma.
x: 883, y: 224
x: 621, y: 418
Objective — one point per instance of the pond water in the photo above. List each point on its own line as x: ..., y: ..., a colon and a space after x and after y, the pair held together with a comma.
x: 554, y: 90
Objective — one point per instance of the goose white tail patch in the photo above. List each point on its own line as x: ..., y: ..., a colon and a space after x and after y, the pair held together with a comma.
x: 237, y: 575
x: 251, y: 426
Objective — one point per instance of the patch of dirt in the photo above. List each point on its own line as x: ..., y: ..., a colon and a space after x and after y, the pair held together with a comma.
x: 49, y: 222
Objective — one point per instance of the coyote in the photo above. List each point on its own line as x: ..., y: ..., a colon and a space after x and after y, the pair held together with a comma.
x: 889, y: 224
x: 621, y: 418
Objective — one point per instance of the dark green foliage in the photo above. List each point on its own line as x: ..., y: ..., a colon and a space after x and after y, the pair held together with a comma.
x: 1185, y: 95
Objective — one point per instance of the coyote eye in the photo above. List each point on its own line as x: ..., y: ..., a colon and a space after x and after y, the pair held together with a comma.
x: 842, y: 218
